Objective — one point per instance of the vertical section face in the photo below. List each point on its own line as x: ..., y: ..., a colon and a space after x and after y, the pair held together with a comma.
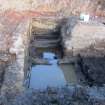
x: 45, y: 37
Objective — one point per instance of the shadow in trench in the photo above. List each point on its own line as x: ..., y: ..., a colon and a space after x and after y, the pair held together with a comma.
x: 93, y: 69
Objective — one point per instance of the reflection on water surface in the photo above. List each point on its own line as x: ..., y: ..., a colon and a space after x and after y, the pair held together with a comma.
x: 52, y: 75
x: 43, y: 76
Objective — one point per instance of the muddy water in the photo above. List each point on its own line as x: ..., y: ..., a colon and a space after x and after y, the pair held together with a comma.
x: 43, y: 76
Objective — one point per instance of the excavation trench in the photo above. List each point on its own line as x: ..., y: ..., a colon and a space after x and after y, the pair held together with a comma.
x: 47, y: 65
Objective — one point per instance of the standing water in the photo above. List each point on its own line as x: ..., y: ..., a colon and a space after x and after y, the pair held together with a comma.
x: 43, y: 76
x: 51, y: 75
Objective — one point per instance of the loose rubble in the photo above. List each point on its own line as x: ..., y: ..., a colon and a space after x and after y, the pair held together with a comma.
x: 68, y: 95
